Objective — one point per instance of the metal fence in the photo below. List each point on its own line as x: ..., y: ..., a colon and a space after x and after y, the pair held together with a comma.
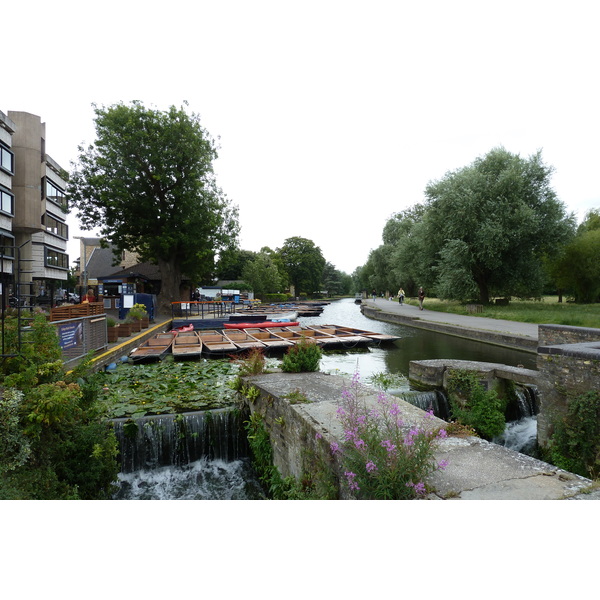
x: 81, y: 335
x: 204, y: 310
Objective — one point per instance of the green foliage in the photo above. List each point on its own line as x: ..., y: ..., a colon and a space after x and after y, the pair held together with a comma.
x: 15, y: 447
x: 304, y: 264
x: 578, y: 268
x: 55, y: 442
x: 475, y: 407
x: 148, y: 182
x: 262, y: 459
x: 575, y: 444
x: 302, y: 357
x: 262, y: 274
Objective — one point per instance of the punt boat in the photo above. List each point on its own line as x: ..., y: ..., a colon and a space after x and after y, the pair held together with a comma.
x: 153, y: 349
x: 287, y: 334
x: 376, y: 337
x: 215, y: 344
x: 269, y: 339
x: 242, y: 339
x: 323, y: 338
x: 345, y: 338
x: 186, y: 345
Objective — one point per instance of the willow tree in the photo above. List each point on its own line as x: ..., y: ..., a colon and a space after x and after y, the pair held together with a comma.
x: 487, y: 227
x: 148, y: 183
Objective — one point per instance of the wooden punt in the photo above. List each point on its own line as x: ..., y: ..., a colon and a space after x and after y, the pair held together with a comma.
x: 323, y: 338
x: 377, y: 337
x: 242, y: 339
x: 294, y: 337
x: 344, y: 337
x: 269, y: 339
x: 153, y: 349
x: 216, y: 344
x: 186, y: 345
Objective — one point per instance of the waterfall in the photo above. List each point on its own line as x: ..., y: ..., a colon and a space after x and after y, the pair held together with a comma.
x: 175, y: 440
x: 520, y: 433
x: 429, y: 400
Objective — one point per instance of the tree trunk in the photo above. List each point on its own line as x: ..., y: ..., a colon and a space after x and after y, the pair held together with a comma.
x: 484, y: 293
x: 170, y: 284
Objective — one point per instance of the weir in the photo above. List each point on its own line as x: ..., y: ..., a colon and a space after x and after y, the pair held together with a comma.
x: 174, y: 440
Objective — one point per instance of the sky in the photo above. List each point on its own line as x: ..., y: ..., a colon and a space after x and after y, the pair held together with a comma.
x: 331, y: 116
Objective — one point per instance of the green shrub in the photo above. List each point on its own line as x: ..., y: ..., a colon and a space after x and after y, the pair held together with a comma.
x: 475, y: 407
x: 575, y: 444
x: 302, y: 357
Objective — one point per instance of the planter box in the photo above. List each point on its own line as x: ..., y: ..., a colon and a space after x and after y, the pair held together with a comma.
x: 136, y: 326
x: 113, y: 333
x: 124, y: 330
x: 145, y: 323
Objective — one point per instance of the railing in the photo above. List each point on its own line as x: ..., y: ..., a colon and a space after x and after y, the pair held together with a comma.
x: 81, y: 335
x: 73, y: 311
x: 204, y: 310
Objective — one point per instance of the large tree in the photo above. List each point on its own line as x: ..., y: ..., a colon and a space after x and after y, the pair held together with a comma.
x: 148, y: 182
x: 488, y: 226
x: 304, y: 264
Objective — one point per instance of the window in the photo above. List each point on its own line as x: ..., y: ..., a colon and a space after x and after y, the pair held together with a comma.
x: 7, y: 202
x: 7, y: 159
x: 7, y: 245
x: 59, y: 260
x: 55, y: 194
x: 55, y: 226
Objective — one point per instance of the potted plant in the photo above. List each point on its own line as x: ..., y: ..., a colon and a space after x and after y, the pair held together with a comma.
x: 135, y: 316
x: 112, y: 330
x: 140, y: 313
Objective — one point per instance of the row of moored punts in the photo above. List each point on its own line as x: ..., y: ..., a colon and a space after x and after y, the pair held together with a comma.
x: 188, y: 343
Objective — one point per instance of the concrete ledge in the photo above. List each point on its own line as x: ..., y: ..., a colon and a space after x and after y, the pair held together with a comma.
x: 477, y: 469
x: 489, y: 337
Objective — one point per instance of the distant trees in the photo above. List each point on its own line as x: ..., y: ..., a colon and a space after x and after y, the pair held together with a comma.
x: 485, y: 230
x: 298, y: 262
x: 303, y: 263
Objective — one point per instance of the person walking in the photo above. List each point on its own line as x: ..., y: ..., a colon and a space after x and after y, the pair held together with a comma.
x: 421, y: 298
x: 401, y: 296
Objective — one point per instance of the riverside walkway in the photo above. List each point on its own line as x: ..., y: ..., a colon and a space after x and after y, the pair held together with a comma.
x: 521, y: 336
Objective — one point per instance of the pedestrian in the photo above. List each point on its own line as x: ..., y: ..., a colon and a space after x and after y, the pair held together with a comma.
x: 401, y: 296
x: 89, y: 297
x: 374, y: 294
x: 421, y: 298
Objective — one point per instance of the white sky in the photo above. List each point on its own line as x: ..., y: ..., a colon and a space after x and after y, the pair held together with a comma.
x: 332, y: 115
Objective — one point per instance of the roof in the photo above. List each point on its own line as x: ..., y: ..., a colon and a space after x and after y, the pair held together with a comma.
x: 144, y: 270
x: 101, y: 264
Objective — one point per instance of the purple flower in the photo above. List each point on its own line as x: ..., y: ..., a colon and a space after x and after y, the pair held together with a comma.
x: 335, y: 448
x: 418, y: 487
x: 442, y: 434
x: 442, y: 464
x: 360, y: 444
x: 350, y: 476
x: 318, y: 436
x: 371, y: 467
x: 389, y: 446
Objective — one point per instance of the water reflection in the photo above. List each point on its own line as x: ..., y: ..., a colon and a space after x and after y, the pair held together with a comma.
x: 415, y: 344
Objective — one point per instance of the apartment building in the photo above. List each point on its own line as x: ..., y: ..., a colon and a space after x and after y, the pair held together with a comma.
x: 7, y: 204
x: 36, y: 194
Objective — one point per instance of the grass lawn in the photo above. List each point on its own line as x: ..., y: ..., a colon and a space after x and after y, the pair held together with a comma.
x: 546, y: 311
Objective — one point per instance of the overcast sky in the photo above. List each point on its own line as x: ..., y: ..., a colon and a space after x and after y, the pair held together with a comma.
x: 332, y: 115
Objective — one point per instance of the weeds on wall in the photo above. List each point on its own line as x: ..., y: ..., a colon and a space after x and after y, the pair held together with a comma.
x: 474, y: 406
x: 575, y: 444
x: 304, y: 356
x: 382, y: 458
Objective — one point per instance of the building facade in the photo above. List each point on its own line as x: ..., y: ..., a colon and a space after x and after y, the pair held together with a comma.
x: 33, y: 185
x: 7, y: 205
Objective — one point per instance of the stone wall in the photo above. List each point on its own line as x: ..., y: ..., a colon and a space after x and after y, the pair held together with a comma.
x: 568, y: 365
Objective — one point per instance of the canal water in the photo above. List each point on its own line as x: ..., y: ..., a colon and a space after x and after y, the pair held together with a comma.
x: 414, y: 344
x: 218, y: 479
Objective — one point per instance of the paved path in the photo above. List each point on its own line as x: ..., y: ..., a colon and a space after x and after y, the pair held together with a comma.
x: 438, y: 320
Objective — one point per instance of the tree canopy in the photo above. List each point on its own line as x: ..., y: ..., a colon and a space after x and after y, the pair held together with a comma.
x: 304, y: 264
x: 148, y: 182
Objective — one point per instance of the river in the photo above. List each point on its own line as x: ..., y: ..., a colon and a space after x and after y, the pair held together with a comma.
x: 215, y: 480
